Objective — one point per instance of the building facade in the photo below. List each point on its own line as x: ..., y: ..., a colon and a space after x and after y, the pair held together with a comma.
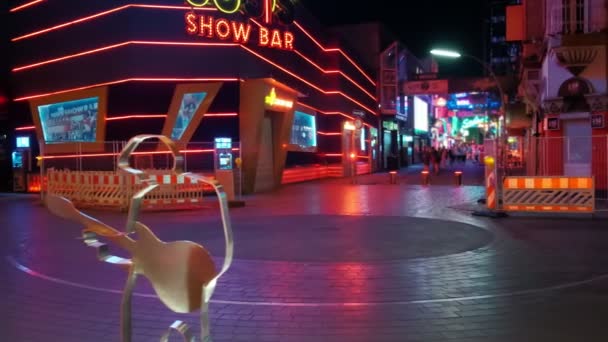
x: 502, y: 55
x: 254, y: 74
x: 564, y: 85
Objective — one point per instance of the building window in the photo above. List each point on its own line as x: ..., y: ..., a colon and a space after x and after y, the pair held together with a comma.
x: 572, y: 17
x: 580, y: 16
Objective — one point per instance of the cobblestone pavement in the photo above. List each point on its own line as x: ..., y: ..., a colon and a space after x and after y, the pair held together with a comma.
x: 326, y: 261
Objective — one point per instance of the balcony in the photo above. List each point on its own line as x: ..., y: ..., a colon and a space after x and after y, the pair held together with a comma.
x: 579, y: 17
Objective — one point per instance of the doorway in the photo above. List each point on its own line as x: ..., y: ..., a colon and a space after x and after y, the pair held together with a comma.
x: 265, y: 166
x: 577, y: 147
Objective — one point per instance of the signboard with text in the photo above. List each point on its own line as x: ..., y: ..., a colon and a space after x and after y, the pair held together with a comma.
x: 426, y: 87
x: 236, y: 31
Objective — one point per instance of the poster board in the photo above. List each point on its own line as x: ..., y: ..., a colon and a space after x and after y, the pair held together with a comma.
x: 72, y: 122
x: 303, y: 132
x: 189, y: 104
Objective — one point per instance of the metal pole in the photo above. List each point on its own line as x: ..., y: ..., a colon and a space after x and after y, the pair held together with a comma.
x: 499, y: 144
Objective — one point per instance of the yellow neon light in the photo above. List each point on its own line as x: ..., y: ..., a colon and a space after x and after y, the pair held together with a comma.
x: 197, y: 3
x: 227, y: 11
x: 273, y: 100
x: 349, y: 126
x: 218, y: 4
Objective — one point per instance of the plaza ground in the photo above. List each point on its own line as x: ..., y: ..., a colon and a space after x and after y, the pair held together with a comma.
x: 327, y: 261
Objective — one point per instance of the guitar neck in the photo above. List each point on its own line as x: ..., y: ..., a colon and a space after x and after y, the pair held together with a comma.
x: 113, y: 235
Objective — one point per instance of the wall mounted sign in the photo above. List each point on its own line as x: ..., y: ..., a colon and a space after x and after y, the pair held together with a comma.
x: 273, y: 101
x: 359, y: 113
x: 426, y: 87
x: 597, y: 121
x: 552, y: 124
x: 239, y: 32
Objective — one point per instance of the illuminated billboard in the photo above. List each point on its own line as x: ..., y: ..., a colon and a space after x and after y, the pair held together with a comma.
x: 189, y: 104
x: 70, y: 121
x: 421, y: 115
x: 304, y: 131
x: 187, y: 109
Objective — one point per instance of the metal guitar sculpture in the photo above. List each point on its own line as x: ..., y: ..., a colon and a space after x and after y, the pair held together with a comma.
x: 182, y: 273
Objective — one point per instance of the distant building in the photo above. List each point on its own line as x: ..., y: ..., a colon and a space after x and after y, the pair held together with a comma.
x: 276, y: 82
x: 501, y: 55
x: 564, y: 86
x: 394, y: 65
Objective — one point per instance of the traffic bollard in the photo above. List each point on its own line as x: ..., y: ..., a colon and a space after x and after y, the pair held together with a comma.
x: 425, y: 177
x: 393, y: 177
x: 458, y: 178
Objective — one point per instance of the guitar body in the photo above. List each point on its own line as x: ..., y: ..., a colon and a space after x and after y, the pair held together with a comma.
x: 177, y: 270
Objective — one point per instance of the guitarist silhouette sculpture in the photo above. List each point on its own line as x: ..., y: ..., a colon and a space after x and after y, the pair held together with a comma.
x: 182, y: 273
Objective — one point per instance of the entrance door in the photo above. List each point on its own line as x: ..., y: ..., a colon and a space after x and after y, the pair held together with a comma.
x: 388, y: 147
x: 577, y: 147
x: 265, y: 171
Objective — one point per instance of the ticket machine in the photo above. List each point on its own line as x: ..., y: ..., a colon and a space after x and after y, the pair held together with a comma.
x: 223, y: 154
x: 21, y: 162
x: 224, y: 162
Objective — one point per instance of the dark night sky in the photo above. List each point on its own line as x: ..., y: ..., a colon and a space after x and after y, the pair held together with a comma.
x: 420, y: 24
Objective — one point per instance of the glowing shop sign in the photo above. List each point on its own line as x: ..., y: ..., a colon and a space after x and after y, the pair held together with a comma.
x: 237, y: 32
x: 274, y: 101
x: 231, y: 6
x: 224, y: 6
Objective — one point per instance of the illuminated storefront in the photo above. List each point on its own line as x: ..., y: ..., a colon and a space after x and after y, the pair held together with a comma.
x: 264, y: 76
x: 464, y: 117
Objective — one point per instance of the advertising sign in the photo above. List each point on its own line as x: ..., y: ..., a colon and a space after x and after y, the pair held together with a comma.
x: 70, y: 121
x: 421, y: 115
x: 241, y: 32
x: 189, y: 106
x: 597, y: 121
x: 304, y: 130
x: 426, y: 87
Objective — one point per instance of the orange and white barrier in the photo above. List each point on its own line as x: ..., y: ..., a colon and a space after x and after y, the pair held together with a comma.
x: 490, y: 180
x: 549, y: 194
x: 109, y: 189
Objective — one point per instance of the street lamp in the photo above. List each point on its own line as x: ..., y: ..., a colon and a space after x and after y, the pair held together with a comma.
x: 499, y: 145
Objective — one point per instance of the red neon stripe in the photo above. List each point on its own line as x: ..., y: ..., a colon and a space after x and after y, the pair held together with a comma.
x: 333, y: 92
x: 77, y: 21
x: 336, y: 72
x: 198, y: 44
x: 267, y: 11
x: 130, y: 80
x: 26, y: 5
x: 220, y: 114
x: 326, y: 113
x: 105, y: 48
x: 332, y: 133
x: 101, y: 14
x: 334, y: 50
x: 25, y: 128
x: 137, y: 116
x: 69, y: 56
x: 310, y: 61
x: 332, y: 155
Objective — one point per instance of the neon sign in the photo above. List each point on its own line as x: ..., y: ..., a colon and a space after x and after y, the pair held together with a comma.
x: 274, y: 101
x: 238, y: 32
x: 227, y: 7
x: 232, y: 6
